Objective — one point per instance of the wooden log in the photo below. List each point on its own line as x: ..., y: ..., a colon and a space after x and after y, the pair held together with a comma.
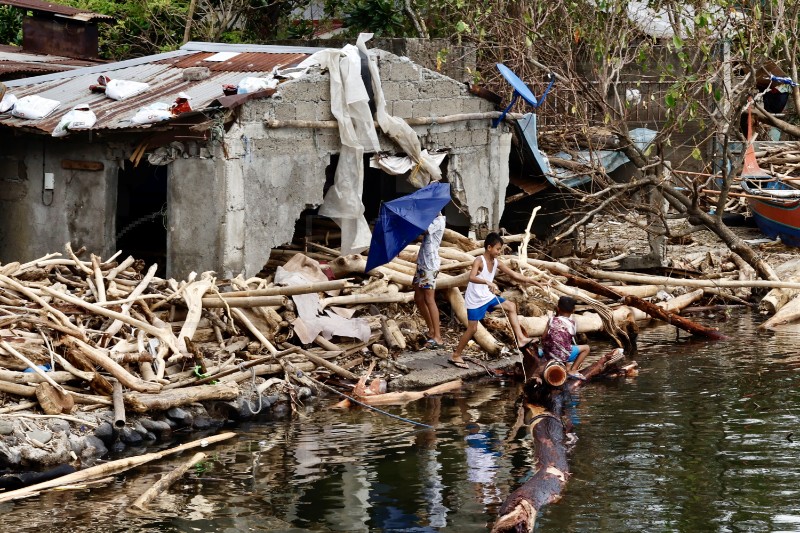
x: 117, y: 324
x: 164, y: 335
x: 244, y: 301
x: 786, y: 314
x: 683, y: 282
x: 462, y: 241
x: 119, y: 406
x: 143, y: 403
x: 395, y: 398
x: 51, y: 395
x: 778, y: 297
x: 98, y: 357
x: 643, y: 305
x: 320, y: 286
x: 65, y: 322
x: 166, y: 481
x: 17, y: 389
x: 23, y: 378
x: 246, y: 365
x: 336, y: 369
x: 109, y: 469
x: 241, y: 317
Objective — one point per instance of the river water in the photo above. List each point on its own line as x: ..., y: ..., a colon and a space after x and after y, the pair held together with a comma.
x: 706, y: 438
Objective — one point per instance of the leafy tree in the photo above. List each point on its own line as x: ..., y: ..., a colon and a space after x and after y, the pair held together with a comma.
x: 10, y: 25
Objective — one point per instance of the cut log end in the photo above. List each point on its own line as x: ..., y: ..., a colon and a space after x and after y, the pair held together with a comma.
x: 520, y: 518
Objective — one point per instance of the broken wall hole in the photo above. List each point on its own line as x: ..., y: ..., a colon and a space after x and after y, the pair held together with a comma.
x: 141, y: 223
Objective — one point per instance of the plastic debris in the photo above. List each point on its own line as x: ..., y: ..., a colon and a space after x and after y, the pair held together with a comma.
x: 81, y: 117
x: 7, y: 103
x: 150, y: 114
x: 182, y: 104
x: 252, y: 85
x: 119, y: 89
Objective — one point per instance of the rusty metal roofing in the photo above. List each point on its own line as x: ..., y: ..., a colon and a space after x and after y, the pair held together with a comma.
x: 241, y: 62
x: 160, y: 71
x: 15, y: 60
x: 56, y: 9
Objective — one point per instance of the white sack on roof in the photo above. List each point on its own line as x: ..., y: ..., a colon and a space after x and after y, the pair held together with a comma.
x: 252, y: 84
x: 7, y: 103
x: 34, y: 107
x: 396, y: 128
x: 350, y: 106
x: 152, y: 113
x: 79, y: 118
x: 123, y: 89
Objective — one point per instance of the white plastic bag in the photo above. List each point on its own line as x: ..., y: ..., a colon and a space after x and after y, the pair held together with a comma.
x: 34, y: 107
x: 155, y: 112
x: 252, y: 85
x: 79, y: 118
x: 7, y: 103
x: 122, y: 89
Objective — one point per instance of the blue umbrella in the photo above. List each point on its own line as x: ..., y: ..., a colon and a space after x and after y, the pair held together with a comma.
x: 402, y: 220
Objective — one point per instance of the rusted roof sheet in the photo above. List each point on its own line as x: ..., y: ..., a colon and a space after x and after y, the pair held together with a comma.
x: 14, y: 60
x: 162, y: 71
x: 56, y: 9
x: 241, y: 62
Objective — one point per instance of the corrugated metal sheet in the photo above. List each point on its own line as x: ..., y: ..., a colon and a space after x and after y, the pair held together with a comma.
x: 164, y: 74
x: 243, y: 62
x: 56, y: 9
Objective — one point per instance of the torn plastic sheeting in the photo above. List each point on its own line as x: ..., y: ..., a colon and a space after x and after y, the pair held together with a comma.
x: 396, y: 165
x: 396, y: 128
x: 350, y: 106
x: 310, y: 323
x: 150, y: 114
x: 252, y: 84
x: 610, y: 160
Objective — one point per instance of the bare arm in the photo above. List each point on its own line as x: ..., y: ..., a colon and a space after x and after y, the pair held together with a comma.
x: 516, y: 276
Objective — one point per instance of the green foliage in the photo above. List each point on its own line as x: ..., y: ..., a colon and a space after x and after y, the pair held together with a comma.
x: 384, y: 18
x: 10, y: 25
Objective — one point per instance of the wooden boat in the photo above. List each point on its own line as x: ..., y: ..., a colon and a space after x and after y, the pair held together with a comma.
x: 774, y: 203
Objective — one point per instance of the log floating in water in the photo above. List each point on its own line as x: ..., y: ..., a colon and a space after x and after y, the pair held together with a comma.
x: 166, y: 481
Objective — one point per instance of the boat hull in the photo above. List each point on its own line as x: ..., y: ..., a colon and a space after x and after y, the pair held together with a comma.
x: 777, y: 219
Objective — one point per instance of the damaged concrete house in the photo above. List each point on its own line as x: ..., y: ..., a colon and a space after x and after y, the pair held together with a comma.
x: 216, y: 181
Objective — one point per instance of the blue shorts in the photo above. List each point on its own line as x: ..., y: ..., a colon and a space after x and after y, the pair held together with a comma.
x: 573, y: 353
x: 479, y: 312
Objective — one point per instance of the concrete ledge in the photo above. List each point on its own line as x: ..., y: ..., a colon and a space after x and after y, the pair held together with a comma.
x: 429, y: 368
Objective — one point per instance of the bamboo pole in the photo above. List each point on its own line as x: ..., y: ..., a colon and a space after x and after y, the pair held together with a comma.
x: 110, y: 468
x: 683, y: 282
x: 166, y: 481
x: 119, y: 406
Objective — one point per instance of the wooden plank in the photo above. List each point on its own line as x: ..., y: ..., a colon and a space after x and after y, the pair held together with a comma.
x: 74, y: 164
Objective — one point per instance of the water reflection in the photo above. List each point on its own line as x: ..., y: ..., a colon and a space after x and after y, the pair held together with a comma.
x: 702, y: 440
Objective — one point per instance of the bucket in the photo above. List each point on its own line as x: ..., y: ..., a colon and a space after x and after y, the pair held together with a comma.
x: 555, y: 373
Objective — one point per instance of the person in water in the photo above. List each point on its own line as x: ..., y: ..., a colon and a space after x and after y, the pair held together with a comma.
x: 481, y: 297
x: 558, y: 337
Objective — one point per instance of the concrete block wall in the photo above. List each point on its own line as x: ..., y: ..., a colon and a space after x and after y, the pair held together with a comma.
x: 80, y: 209
x: 276, y: 173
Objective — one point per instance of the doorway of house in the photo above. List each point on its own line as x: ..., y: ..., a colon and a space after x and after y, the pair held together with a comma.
x: 141, y: 214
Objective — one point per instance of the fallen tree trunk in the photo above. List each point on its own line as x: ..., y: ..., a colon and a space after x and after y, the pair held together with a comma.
x: 143, y: 403
x: 787, y: 314
x: 643, y: 305
x: 518, y: 512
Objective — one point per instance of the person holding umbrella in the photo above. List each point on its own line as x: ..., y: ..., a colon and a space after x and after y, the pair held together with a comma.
x: 424, y: 283
x: 481, y: 297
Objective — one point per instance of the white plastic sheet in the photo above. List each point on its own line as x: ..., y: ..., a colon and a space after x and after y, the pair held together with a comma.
x: 80, y: 117
x: 34, y: 107
x: 310, y: 323
x: 252, y: 84
x: 350, y: 106
x: 396, y: 128
x: 396, y: 165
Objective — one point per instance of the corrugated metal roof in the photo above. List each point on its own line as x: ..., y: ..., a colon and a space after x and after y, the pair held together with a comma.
x: 164, y: 73
x: 14, y: 60
x: 56, y: 9
x: 242, y: 62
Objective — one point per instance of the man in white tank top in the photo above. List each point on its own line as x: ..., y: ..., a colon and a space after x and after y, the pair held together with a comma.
x: 481, y: 297
x: 424, y: 283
